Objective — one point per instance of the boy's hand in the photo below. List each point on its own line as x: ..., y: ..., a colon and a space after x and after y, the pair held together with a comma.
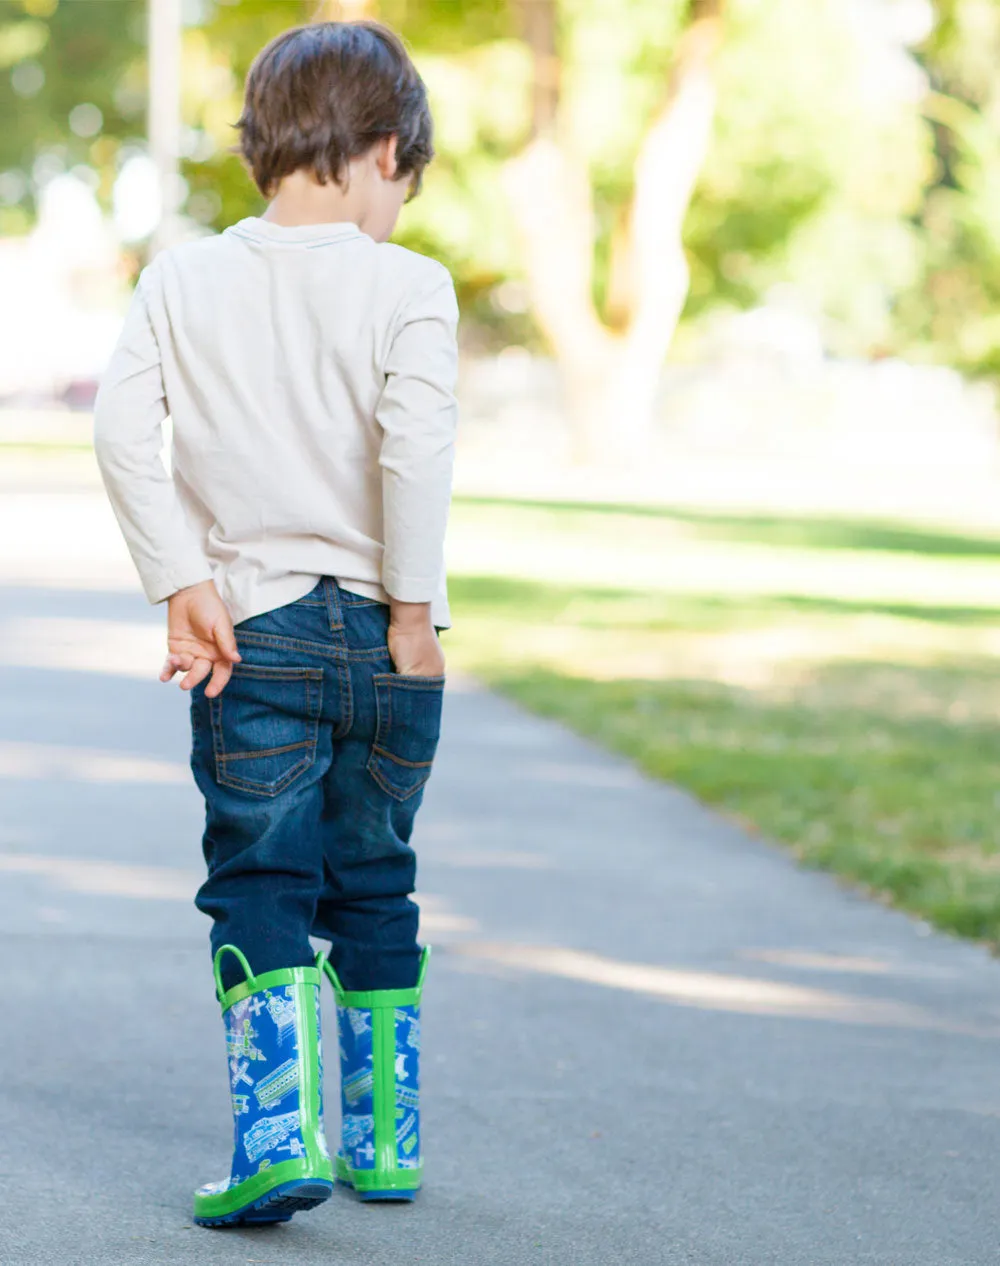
x: 413, y: 642
x: 200, y: 639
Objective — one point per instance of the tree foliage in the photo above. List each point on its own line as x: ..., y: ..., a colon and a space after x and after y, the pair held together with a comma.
x: 856, y: 170
x: 53, y: 58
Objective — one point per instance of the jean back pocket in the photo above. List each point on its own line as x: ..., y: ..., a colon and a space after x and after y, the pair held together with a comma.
x: 407, y: 731
x: 265, y: 727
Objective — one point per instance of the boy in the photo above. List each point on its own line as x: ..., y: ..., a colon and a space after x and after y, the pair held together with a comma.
x: 309, y: 370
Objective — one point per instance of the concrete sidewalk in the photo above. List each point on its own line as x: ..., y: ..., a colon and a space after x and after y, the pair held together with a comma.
x: 649, y: 1039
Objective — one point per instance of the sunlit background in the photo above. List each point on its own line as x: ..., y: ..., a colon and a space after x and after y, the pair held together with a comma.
x: 728, y: 493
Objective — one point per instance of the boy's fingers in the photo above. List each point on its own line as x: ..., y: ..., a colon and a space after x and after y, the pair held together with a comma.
x: 221, y: 673
x: 175, y: 663
x: 225, y: 639
x: 199, y: 671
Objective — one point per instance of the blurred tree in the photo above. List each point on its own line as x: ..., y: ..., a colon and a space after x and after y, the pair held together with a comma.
x: 65, y: 95
x: 611, y: 375
x: 694, y: 156
x: 953, y: 313
x: 344, y: 10
x: 820, y: 163
x: 838, y: 152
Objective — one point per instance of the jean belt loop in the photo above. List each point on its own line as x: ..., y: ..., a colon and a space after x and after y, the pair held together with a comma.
x: 333, y: 606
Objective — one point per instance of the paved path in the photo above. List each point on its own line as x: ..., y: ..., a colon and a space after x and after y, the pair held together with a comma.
x: 649, y: 1039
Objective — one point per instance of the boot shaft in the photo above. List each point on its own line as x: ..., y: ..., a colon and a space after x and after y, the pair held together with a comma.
x: 379, y: 1035
x: 275, y: 1069
x: 281, y: 1162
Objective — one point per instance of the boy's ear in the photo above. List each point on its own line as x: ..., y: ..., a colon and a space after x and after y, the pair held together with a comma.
x: 385, y: 157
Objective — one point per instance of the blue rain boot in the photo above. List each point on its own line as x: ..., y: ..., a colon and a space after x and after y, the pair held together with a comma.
x: 380, y: 1089
x: 281, y: 1163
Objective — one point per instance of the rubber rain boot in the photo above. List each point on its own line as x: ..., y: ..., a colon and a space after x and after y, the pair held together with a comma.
x: 281, y: 1163
x: 379, y: 1034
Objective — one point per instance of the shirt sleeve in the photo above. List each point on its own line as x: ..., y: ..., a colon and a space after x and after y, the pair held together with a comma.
x: 129, y: 413
x: 418, y: 416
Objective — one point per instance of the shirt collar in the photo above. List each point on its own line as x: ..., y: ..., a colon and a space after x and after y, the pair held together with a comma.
x: 267, y: 231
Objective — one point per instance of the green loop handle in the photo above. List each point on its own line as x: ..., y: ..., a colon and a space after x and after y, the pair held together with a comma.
x: 217, y: 967
x: 324, y: 964
x: 425, y: 958
x: 331, y: 972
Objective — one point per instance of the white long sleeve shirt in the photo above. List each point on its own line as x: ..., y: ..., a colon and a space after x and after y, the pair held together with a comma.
x: 309, y: 375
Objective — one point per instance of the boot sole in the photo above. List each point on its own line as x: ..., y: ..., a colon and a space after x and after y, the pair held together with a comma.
x: 277, y: 1205
x: 400, y: 1196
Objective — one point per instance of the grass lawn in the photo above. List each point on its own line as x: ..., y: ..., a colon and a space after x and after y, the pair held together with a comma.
x: 833, y: 685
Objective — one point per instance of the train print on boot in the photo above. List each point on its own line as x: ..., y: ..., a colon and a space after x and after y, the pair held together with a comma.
x: 281, y: 1163
x: 379, y: 1033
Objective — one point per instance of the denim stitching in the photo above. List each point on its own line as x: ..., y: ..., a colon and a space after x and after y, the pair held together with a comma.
x: 409, y: 683
x: 270, y: 751
x: 332, y: 596
x: 363, y: 653
x: 312, y: 678
x: 398, y: 760
x: 215, y: 725
x: 267, y: 792
x: 280, y: 642
x: 394, y: 792
x: 347, y: 700
x: 278, y: 672
x: 384, y: 683
x: 359, y: 602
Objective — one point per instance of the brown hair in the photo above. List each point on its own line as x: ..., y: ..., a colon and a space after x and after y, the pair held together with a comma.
x: 320, y: 95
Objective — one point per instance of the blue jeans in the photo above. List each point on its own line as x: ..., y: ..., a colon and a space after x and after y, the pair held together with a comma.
x: 313, y: 762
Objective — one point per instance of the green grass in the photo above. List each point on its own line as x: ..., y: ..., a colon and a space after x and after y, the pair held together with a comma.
x: 773, y: 529
x: 859, y: 732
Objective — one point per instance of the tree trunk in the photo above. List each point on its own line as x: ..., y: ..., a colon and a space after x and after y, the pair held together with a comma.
x: 550, y: 194
x: 538, y: 29
x: 666, y: 174
x: 344, y: 10
x: 611, y: 380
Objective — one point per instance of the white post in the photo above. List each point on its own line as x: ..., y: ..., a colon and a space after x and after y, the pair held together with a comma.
x: 165, y: 27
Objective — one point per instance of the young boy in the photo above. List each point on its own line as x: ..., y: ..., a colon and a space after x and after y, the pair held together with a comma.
x: 309, y: 370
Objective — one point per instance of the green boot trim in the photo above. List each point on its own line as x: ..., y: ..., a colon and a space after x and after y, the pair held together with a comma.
x: 209, y: 1206
x: 378, y: 1180
x: 269, y: 980
x: 375, y: 998
x: 386, y: 1175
